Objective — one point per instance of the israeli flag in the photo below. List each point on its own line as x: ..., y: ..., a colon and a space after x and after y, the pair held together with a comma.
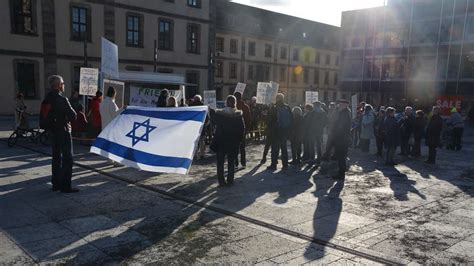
x: 153, y: 139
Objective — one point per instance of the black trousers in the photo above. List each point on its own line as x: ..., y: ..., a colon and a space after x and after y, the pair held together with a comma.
x: 279, y: 143
x: 457, y: 135
x: 296, y: 150
x: 416, y: 150
x: 319, y: 147
x: 243, y: 159
x: 405, y: 147
x: 364, y: 145
x: 329, y: 147
x: 309, y: 152
x: 231, y: 157
x: 379, y: 142
x: 341, y: 155
x: 61, y: 143
x: 432, y: 153
x: 268, y: 144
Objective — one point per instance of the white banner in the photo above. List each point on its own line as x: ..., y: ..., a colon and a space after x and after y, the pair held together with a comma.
x: 311, y: 97
x: 266, y: 92
x: 88, y: 81
x: 354, y: 105
x: 109, y: 59
x: 148, y: 97
x: 240, y: 88
x: 275, y: 87
x: 210, y: 99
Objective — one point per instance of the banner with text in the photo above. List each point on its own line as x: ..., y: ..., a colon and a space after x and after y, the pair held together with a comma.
x: 148, y: 97
x: 109, y: 59
x: 240, y: 88
x: 447, y: 103
x: 311, y: 97
x: 210, y: 99
x: 88, y: 81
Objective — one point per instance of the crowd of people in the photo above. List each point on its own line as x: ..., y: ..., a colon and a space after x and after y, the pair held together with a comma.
x: 227, y: 130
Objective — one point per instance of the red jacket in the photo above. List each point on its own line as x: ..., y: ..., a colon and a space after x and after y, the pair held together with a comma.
x: 241, y: 105
x: 95, y: 112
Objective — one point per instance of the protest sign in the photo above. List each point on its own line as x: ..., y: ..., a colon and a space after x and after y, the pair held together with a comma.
x: 109, y: 59
x: 210, y: 99
x: 311, y: 97
x: 88, y: 81
x: 354, y: 105
x: 240, y: 88
x: 119, y: 89
x: 274, y: 92
x: 148, y: 97
x: 264, y: 93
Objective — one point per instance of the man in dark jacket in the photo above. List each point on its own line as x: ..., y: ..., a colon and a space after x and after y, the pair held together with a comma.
x: 319, y: 123
x: 280, y: 123
x: 392, y: 135
x: 230, y: 130
x: 242, y: 106
x: 62, y: 114
x: 342, y: 135
x: 433, y: 132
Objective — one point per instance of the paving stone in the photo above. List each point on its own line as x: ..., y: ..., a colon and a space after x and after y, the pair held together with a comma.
x: 464, y: 248
x: 89, y: 224
x: 37, y: 232
x: 116, y: 236
x: 11, y: 254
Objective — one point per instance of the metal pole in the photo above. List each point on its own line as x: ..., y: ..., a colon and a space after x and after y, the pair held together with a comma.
x: 407, y: 76
x: 383, y: 44
x: 155, y: 55
x: 438, y: 42
x: 462, y: 47
x: 449, y: 51
x: 85, y: 64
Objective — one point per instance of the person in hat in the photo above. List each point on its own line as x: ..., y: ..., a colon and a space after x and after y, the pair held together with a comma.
x: 457, y: 123
x: 342, y: 133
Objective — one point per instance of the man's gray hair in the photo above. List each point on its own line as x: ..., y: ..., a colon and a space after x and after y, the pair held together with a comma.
x: 53, y: 79
x: 198, y: 97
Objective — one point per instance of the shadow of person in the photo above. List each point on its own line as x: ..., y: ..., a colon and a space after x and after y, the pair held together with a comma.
x: 327, y: 213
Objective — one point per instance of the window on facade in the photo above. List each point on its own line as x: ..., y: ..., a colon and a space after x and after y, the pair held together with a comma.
x: 165, y: 35
x: 25, y: 79
x: 220, y: 44
x: 192, y: 78
x: 193, y: 38
x: 335, y: 79
x: 251, y: 72
x: 326, y: 78
x: 328, y: 59
x: 233, y: 70
x: 316, y: 77
x: 137, y: 68
x: 252, y: 48
x: 326, y: 96
x: 233, y: 46
x: 317, y: 59
x: 266, y: 73
x: 80, y: 24
x: 268, y: 50
x: 282, y: 52
x: 219, y: 69
x: 165, y: 70
x: 296, y: 54
x: 294, y: 77
x: 134, y: 33
x: 307, y: 56
x: 194, y: 3
x: 337, y: 61
x: 306, y: 76
x: 22, y: 16
x: 282, y: 74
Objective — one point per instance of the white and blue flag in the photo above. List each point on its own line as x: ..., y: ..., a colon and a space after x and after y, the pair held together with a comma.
x: 153, y: 139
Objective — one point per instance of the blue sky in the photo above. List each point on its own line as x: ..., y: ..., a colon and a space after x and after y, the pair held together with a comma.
x: 325, y: 11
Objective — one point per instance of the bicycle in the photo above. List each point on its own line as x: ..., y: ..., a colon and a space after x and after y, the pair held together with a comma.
x: 31, y: 134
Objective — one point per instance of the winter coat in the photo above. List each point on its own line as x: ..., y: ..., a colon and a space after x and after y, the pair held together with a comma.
x: 342, y: 128
x: 62, y: 111
x: 456, y: 120
x: 433, y: 131
x: 379, y: 129
x: 108, y: 111
x: 241, y: 105
x: 392, y: 132
x: 367, y: 125
x: 407, y: 126
x: 298, y: 129
x: 419, y: 127
x: 230, y: 129
x: 319, y: 122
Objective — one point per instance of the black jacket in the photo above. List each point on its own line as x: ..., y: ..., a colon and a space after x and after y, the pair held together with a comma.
x: 342, y: 128
x: 62, y: 112
x: 230, y: 129
x: 433, y: 131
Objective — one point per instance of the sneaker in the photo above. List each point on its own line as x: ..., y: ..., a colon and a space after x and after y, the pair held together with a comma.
x: 271, y: 168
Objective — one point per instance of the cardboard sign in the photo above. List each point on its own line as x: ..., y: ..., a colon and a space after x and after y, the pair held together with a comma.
x: 240, y: 88
x: 264, y: 93
x: 311, y: 97
x: 148, y: 97
x: 119, y: 88
x: 446, y: 103
x: 88, y: 81
x: 210, y: 99
x: 354, y: 103
x: 109, y: 59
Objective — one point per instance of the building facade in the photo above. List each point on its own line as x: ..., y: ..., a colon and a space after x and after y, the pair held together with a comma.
x: 409, y: 52
x: 44, y: 37
x: 254, y: 45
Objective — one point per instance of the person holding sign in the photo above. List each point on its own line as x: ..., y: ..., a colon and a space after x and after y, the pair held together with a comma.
x: 108, y: 108
x: 281, y: 121
x: 241, y: 105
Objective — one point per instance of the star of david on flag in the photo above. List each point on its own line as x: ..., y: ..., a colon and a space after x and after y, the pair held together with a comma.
x: 153, y: 139
x: 144, y: 137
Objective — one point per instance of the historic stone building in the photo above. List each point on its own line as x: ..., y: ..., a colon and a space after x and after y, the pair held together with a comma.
x: 253, y: 45
x: 44, y: 37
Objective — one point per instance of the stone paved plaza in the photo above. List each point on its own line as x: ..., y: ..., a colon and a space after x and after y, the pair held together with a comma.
x: 412, y: 213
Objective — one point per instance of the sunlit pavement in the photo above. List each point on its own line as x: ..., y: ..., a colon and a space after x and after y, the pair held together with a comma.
x: 411, y: 213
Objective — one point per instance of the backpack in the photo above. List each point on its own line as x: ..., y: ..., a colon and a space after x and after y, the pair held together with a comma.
x: 46, y: 114
x: 284, y: 117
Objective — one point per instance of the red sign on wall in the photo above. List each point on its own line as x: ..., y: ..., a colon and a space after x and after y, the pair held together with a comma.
x: 448, y: 102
